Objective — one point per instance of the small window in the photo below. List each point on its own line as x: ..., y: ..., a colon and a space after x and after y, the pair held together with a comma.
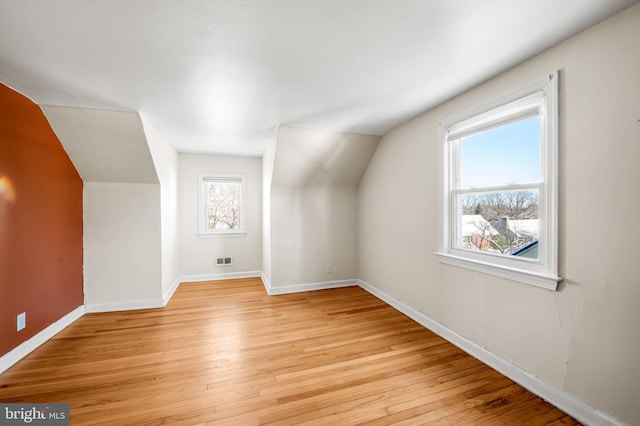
x: 498, y: 198
x: 221, y: 205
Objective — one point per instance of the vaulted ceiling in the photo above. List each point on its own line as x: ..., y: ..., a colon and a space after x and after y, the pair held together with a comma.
x: 216, y: 76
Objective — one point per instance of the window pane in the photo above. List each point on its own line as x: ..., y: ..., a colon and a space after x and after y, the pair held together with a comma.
x: 504, y: 222
x: 226, y: 194
x: 500, y: 156
x: 222, y: 218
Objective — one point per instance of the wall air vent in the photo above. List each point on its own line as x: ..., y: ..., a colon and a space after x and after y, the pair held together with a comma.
x: 224, y: 261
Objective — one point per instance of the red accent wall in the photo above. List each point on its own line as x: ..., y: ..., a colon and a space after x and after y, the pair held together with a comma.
x: 40, y: 222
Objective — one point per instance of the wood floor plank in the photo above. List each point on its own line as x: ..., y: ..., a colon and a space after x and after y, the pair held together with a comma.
x: 225, y: 353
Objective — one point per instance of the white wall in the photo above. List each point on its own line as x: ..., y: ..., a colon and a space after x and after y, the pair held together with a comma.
x: 122, y: 254
x: 165, y: 159
x: 268, y: 160
x: 583, y: 339
x: 125, y: 241
x: 313, y: 205
x: 197, y: 254
x: 313, y: 228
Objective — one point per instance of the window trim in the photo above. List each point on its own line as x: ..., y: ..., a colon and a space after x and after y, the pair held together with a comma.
x: 510, y: 107
x: 203, y: 232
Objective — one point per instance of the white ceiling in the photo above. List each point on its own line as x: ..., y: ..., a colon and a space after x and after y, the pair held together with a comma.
x: 217, y: 75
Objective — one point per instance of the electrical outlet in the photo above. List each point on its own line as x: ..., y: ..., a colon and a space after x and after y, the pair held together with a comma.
x: 22, y: 320
x: 329, y: 268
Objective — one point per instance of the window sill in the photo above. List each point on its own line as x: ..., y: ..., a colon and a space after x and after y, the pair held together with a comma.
x: 539, y: 280
x: 221, y: 234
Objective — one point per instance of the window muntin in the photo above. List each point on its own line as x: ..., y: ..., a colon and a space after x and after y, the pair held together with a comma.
x: 487, y: 213
x: 221, y: 204
x: 498, y: 196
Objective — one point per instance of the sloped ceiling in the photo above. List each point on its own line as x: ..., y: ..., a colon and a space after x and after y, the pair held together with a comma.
x: 307, y: 157
x: 217, y: 76
x: 104, y: 146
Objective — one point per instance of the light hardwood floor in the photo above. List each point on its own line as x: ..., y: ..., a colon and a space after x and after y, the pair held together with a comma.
x: 224, y: 352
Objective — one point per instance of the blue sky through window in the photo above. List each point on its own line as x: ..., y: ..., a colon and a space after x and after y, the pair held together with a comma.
x: 507, y: 154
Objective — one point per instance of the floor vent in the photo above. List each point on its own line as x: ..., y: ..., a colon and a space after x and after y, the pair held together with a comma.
x: 224, y: 261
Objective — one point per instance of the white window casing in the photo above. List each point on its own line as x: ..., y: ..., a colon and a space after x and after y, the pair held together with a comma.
x: 208, y: 178
x: 539, y: 98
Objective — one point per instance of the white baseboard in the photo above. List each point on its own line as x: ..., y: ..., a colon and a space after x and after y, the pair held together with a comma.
x: 571, y: 405
x: 124, y: 306
x: 272, y: 291
x: 218, y: 277
x: 297, y: 288
x: 265, y: 282
x: 169, y: 293
x: 28, y: 346
x: 159, y: 303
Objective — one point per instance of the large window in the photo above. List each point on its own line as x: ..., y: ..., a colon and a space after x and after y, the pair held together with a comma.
x: 221, y: 205
x: 498, y: 198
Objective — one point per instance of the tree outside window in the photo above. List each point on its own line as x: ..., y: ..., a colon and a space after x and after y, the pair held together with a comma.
x: 221, y: 204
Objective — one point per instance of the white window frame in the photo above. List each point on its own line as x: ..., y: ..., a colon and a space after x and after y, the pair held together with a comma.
x: 204, y: 178
x: 539, y: 98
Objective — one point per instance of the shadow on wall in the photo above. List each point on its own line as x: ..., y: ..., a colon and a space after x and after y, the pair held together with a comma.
x: 313, y: 204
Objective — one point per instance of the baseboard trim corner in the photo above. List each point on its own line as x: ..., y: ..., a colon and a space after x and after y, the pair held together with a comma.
x: 580, y: 410
x: 170, y: 292
x: 266, y: 283
x: 28, y: 346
